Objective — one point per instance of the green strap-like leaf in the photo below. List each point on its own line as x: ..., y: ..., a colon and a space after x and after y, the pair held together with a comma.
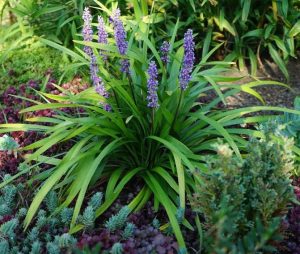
x: 89, y: 174
x: 222, y: 131
x: 70, y: 159
x: 181, y: 179
x: 163, y: 198
x: 174, y: 149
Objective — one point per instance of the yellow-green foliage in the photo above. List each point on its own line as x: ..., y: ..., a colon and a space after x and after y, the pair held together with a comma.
x: 30, y: 63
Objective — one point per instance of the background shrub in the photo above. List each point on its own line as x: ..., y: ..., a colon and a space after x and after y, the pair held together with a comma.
x: 54, y: 19
x: 246, y: 30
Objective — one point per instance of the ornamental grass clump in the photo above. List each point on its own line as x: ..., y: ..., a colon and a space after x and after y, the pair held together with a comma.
x: 154, y: 132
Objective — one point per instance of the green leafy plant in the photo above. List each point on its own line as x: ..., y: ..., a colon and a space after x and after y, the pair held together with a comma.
x: 288, y: 125
x: 118, y: 221
x: 21, y: 52
x: 13, y: 37
x: 243, y: 201
x: 151, y: 129
x: 248, y: 30
x: 128, y: 231
x: 54, y: 19
x: 117, y: 248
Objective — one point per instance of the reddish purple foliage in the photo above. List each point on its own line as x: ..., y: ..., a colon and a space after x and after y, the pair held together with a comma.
x: 146, y: 239
x: 9, y: 113
x: 291, y: 243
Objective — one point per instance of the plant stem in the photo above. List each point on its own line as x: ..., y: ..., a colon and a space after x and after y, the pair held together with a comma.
x: 152, y: 121
x: 116, y: 98
x: 113, y: 90
x: 149, y: 154
x: 177, y: 109
x: 164, y: 77
x: 131, y: 88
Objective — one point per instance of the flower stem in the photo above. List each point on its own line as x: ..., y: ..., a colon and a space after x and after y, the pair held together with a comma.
x: 150, y: 152
x: 177, y: 109
x: 114, y: 92
x: 131, y: 89
x: 116, y: 98
x: 152, y: 121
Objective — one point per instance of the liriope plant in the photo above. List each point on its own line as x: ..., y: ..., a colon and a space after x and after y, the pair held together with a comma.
x: 141, y: 123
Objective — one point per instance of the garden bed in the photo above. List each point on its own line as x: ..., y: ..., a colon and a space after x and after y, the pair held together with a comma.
x: 123, y: 138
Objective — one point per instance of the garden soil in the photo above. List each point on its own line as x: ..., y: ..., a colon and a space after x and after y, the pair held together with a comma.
x: 272, y: 95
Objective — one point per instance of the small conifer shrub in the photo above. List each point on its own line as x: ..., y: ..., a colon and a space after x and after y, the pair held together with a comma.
x: 243, y: 201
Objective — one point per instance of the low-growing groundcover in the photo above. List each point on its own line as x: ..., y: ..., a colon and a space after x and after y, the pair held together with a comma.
x: 30, y: 62
x: 49, y: 234
x: 140, y: 125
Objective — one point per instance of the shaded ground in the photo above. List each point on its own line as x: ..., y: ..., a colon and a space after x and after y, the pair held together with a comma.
x: 273, y: 95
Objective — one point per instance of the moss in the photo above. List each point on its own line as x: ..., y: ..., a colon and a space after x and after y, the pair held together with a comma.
x: 30, y: 63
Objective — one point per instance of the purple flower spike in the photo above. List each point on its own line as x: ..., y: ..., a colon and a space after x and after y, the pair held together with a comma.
x: 102, y: 35
x: 107, y: 107
x: 164, y: 49
x: 87, y: 31
x: 120, y: 34
x: 188, y: 60
x: 115, y: 15
x: 152, y: 86
x: 97, y: 81
x: 94, y: 71
x: 100, y: 89
x: 120, y: 37
x: 125, y: 66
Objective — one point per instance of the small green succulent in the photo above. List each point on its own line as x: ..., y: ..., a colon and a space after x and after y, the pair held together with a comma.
x: 7, y: 143
x: 117, y: 248
x: 118, y: 221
